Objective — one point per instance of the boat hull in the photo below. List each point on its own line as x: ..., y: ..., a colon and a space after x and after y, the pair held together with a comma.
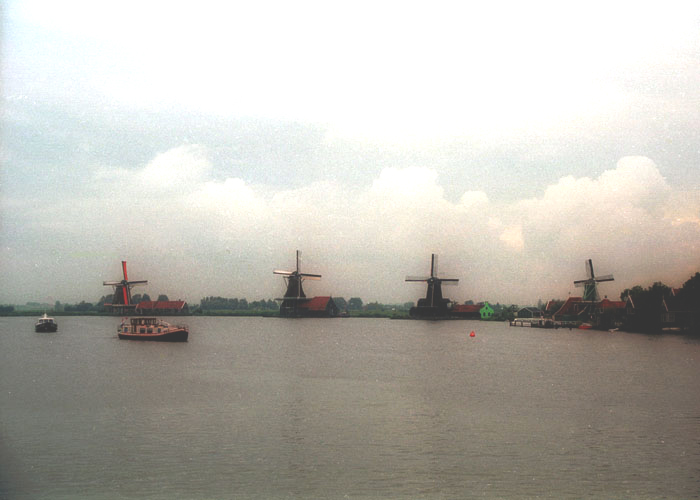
x: 46, y: 328
x: 175, y: 335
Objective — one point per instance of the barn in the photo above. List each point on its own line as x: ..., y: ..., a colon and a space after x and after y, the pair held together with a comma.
x: 162, y: 307
x: 318, y: 307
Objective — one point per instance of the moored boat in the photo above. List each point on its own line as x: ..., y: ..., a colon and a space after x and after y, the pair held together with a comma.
x: 152, y: 329
x: 45, y: 324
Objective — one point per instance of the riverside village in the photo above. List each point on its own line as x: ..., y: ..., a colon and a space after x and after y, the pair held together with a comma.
x: 653, y: 309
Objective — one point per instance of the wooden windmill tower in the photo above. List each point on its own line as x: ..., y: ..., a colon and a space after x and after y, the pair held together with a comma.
x: 434, y: 304
x: 121, y: 299
x: 590, y: 285
x: 294, y: 295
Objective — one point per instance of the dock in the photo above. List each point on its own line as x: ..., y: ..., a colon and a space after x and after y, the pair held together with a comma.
x: 542, y: 323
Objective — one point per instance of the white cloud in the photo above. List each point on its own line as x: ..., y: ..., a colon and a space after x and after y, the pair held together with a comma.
x: 200, y: 236
x: 394, y: 70
x: 513, y: 237
x: 175, y: 169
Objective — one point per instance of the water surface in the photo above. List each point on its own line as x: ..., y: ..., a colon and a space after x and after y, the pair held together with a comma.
x: 346, y: 408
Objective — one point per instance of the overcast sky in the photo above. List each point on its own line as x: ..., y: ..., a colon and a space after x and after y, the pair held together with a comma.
x: 205, y: 144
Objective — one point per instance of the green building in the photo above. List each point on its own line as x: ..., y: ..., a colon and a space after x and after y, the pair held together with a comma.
x: 486, y: 311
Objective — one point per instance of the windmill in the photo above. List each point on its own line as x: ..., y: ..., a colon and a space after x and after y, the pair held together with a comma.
x: 433, y: 303
x: 122, y: 290
x: 590, y: 285
x: 295, y: 293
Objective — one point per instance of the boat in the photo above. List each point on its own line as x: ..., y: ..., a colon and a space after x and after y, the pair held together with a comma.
x: 45, y: 324
x: 585, y: 326
x: 143, y: 328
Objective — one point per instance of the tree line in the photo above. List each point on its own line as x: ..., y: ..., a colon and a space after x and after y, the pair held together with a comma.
x: 657, y: 304
x: 236, y: 304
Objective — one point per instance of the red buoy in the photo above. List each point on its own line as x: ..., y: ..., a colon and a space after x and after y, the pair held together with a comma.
x: 472, y: 334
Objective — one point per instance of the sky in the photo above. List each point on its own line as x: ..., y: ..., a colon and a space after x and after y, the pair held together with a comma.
x: 205, y: 144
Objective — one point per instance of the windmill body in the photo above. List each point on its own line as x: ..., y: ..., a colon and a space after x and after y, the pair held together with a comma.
x: 121, y: 299
x: 434, y: 305
x: 295, y: 302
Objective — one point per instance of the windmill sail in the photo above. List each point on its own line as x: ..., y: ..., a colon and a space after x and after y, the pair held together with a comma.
x: 434, y: 304
x: 590, y: 285
x: 122, y: 289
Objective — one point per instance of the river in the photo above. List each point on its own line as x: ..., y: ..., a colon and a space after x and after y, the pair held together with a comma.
x: 268, y: 408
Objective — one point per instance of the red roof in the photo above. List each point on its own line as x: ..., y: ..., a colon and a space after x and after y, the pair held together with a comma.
x: 466, y: 308
x: 168, y: 305
x: 315, y: 304
x: 611, y: 304
x: 569, y: 308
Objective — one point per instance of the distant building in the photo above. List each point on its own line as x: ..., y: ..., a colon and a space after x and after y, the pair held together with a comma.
x: 529, y: 312
x: 574, y: 309
x: 609, y: 313
x: 467, y: 311
x: 677, y: 311
x: 486, y: 311
x: 323, y: 307
x: 161, y: 307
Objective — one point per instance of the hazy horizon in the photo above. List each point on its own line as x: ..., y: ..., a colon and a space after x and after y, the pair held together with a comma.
x: 205, y: 144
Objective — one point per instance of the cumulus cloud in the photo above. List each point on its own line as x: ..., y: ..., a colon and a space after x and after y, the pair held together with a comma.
x: 200, y: 236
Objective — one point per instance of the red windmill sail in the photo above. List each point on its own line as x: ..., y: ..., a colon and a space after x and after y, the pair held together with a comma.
x: 122, y: 289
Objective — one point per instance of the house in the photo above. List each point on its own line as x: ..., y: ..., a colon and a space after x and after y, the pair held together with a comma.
x: 466, y: 311
x: 677, y: 311
x: 161, y: 307
x: 572, y: 310
x: 529, y: 312
x: 486, y: 311
x: 609, y: 313
x: 318, y: 307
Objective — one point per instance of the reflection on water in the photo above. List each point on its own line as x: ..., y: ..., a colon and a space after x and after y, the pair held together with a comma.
x: 346, y: 408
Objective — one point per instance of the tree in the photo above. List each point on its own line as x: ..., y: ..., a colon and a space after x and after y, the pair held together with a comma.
x: 341, y: 303
x: 691, y: 289
x: 163, y: 298
x: 355, y: 304
x: 647, y: 306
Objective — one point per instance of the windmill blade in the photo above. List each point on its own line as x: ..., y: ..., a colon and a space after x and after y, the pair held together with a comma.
x: 607, y: 277
x: 138, y: 282
x: 417, y: 278
x: 589, y: 268
x: 125, y: 290
x: 449, y: 282
x: 580, y: 284
x: 576, y: 282
x: 433, y: 265
x: 284, y: 273
x: 124, y: 269
x: 313, y: 277
x: 111, y: 283
x: 298, y: 257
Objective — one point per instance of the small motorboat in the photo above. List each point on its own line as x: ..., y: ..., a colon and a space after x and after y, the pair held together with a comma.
x: 152, y: 329
x: 45, y: 324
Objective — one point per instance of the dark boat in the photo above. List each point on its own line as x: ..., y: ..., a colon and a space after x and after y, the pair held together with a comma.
x: 152, y: 329
x: 45, y: 324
